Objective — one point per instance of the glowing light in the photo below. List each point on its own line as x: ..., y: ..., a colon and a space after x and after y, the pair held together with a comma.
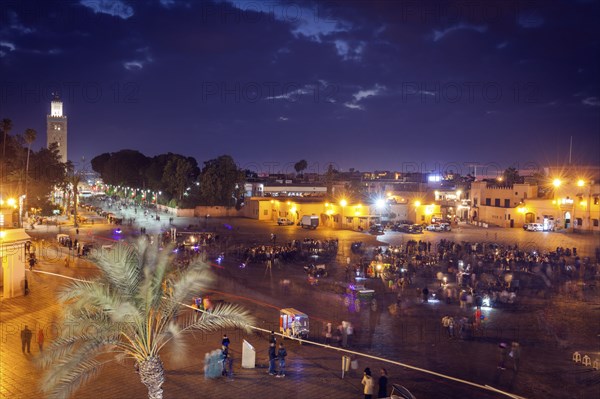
x: 343, y: 202
x: 417, y: 203
x: 556, y: 182
x: 581, y: 183
x: 380, y: 203
x: 11, y: 202
x: 293, y: 209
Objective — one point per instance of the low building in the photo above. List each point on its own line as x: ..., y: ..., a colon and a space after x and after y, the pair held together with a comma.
x: 496, y: 204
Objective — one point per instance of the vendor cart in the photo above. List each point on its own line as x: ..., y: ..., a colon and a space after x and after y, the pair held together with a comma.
x: 293, y: 323
x: 357, y: 294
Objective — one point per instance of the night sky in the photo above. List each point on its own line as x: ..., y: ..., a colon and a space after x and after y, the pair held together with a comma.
x: 364, y: 84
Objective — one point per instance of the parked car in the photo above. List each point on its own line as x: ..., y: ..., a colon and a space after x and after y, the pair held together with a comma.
x: 535, y: 227
x: 284, y: 222
x: 445, y: 227
x: 433, y: 227
x: 376, y: 229
x: 439, y: 227
x: 414, y: 229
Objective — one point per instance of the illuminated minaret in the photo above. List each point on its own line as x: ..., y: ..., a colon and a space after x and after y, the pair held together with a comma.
x: 57, y: 127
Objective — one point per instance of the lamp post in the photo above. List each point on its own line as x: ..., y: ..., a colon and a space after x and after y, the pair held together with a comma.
x: 343, y: 204
x: 417, y: 205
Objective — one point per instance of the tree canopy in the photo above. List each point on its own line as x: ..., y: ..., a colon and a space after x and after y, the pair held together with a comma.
x: 221, y: 182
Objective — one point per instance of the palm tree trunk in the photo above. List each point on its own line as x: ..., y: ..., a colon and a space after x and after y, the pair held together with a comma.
x: 152, y: 374
x: 26, y: 205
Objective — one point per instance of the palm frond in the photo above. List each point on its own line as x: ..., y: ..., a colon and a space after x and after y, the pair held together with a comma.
x: 222, y: 316
x: 79, y: 376
x: 195, y: 278
x: 155, y: 265
x: 120, y: 268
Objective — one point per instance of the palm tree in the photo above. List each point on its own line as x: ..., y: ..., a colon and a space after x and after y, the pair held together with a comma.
x: 132, y: 319
x: 6, y: 128
x: 30, y: 136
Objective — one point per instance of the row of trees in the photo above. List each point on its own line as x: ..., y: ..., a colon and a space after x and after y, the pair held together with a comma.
x: 179, y: 178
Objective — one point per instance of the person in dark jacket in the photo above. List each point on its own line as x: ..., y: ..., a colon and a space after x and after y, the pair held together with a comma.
x: 272, y: 358
x: 383, y: 381
x: 225, y: 341
x: 281, y: 354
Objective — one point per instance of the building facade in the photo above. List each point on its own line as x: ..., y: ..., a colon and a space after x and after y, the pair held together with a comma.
x: 56, y: 128
x: 498, y: 205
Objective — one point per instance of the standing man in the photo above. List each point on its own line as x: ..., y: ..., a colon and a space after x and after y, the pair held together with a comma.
x: 281, y: 354
x: 26, y: 335
x: 272, y: 358
x: 383, y: 381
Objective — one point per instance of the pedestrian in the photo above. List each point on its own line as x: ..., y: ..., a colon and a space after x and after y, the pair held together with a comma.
x: 515, y: 355
x: 369, y: 384
x: 281, y: 354
x: 224, y: 359
x: 67, y: 261
x: 26, y: 335
x: 272, y: 358
x: 502, y: 355
x: 272, y: 338
x: 328, y: 334
x: 344, y: 330
x: 383, y: 381
x: 350, y: 334
x: 225, y: 341
x: 40, y: 339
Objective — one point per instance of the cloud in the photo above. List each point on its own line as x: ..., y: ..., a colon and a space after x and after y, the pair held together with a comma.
x: 290, y: 94
x: 502, y: 45
x: 530, y: 20
x: 354, y: 106
x: 15, y: 24
x: 282, y: 118
x: 167, y: 3
x: 363, y: 94
x: 8, y: 45
x: 591, y: 101
x: 439, y: 34
x: 313, y: 23
x: 133, y: 65
x: 138, y: 64
x: 116, y: 8
x: 348, y: 53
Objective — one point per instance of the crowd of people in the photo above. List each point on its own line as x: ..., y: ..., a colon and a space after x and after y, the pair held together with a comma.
x: 288, y: 252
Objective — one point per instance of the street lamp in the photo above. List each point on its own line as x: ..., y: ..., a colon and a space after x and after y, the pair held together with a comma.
x: 343, y: 204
